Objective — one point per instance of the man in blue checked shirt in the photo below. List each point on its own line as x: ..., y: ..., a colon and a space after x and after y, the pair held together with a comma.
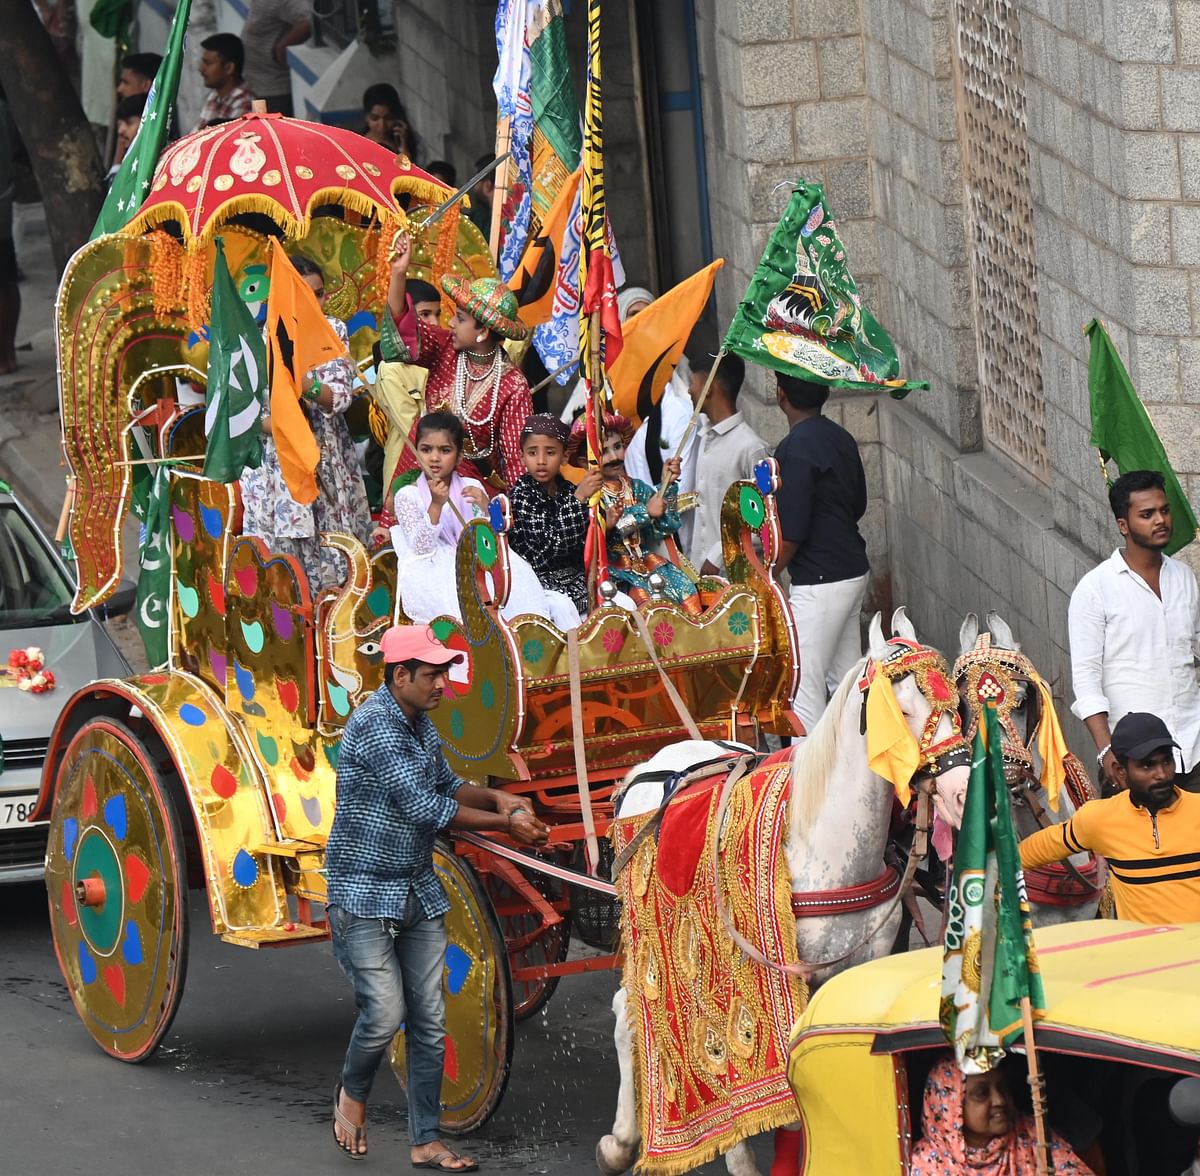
x: 386, y: 906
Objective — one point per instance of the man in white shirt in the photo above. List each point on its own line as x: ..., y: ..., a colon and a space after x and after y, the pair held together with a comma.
x: 728, y: 451
x: 1135, y: 628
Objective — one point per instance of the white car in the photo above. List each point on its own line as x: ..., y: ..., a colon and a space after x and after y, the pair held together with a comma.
x: 36, y: 588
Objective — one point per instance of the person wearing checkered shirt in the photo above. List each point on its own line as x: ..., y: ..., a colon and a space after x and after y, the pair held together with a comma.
x: 386, y: 907
x: 549, y: 515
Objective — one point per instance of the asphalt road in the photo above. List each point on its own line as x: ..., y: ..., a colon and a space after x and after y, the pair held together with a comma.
x: 243, y: 1082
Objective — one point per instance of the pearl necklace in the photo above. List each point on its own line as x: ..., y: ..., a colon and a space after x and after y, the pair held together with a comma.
x: 462, y: 378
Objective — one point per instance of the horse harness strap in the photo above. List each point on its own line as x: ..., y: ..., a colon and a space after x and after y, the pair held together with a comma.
x: 733, y: 769
x: 811, y: 904
x: 581, y: 776
x: 685, y: 716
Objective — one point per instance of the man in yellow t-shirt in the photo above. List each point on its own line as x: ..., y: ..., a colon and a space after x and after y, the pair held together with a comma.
x: 1149, y: 831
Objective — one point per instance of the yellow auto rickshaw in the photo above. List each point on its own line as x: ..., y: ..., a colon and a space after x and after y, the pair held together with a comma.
x: 1119, y: 1045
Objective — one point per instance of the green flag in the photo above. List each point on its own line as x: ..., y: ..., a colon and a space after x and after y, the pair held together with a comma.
x: 154, y: 579
x: 802, y: 313
x: 1124, y: 433
x: 132, y: 181
x: 237, y: 369
x: 990, y: 963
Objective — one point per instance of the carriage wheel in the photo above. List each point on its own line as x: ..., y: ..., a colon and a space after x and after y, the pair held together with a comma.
x: 117, y: 885
x: 479, y: 1012
x: 528, y: 939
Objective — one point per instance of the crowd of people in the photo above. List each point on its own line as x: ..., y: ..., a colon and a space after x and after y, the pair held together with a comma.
x: 463, y: 427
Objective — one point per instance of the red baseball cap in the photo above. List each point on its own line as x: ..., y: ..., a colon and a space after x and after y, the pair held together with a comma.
x: 416, y: 643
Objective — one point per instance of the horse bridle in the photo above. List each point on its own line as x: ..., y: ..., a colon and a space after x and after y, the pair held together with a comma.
x: 991, y: 674
x: 929, y: 668
x: 937, y: 756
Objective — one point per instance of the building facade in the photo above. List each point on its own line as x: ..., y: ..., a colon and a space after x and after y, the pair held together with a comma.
x: 1002, y: 171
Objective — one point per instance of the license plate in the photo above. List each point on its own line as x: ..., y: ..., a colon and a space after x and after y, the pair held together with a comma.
x: 15, y: 810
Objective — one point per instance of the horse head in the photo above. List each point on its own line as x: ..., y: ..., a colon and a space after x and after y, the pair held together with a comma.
x: 992, y: 670
x: 919, y: 683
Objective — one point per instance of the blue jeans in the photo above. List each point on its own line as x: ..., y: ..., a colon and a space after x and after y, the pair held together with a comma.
x: 396, y: 967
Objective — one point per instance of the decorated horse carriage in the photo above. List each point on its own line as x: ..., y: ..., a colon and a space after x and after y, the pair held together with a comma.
x: 217, y: 770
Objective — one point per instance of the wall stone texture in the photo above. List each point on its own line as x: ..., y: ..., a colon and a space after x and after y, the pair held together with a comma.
x: 868, y: 97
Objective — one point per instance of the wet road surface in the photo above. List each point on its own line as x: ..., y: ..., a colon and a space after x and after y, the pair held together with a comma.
x: 244, y: 1079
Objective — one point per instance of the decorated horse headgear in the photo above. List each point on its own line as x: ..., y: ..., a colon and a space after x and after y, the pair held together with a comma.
x: 892, y: 751
x: 989, y: 674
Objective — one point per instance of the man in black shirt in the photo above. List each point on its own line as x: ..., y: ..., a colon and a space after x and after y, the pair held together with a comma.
x: 822, y: 496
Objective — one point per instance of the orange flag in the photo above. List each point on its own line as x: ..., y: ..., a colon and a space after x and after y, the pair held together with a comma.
x: 654, y: 341
x: 534, y: 279
x: 298, y: 338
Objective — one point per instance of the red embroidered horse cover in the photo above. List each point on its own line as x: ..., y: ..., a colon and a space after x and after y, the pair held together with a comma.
x: 709, y: 1027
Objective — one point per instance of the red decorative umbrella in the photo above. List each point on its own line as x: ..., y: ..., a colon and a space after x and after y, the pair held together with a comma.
x: 283, y: 167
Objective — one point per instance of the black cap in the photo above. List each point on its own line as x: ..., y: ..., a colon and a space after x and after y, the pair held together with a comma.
x: 1138, y: 735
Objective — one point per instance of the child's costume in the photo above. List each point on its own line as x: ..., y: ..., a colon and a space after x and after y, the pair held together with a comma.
x: 425, y: 555
x: 549, y: 531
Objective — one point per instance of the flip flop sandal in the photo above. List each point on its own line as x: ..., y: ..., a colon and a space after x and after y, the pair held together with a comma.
x: 438, y: 1163
x: 356, y: 1131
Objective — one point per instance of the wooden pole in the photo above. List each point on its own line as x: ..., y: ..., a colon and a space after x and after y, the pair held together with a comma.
x: 712, y: 371
x: 596, y: 407
x: 501, y: 183
x: 64, y: 517
x: 1045, y: 1165
x: 558, y: 371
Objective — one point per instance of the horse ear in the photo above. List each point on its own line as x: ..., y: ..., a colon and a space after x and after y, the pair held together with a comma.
x: 877, y: 647
x: 1002, y: 634
x: 902, y: 626
x: 968, y: 633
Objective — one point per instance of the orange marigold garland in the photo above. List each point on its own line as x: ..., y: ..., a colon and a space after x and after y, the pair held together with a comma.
x: 384, y: 237
x: 196, y: 279
x: 444, y: 254
x: 166, y: 273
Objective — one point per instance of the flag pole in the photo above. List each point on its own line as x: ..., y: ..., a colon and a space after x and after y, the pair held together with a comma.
x: 1037, y: 1089
x: 501, y: 184
x: 712, y: 371
x: 596, y: 530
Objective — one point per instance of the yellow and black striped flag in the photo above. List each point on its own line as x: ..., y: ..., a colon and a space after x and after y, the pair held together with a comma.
x: 599, y: 295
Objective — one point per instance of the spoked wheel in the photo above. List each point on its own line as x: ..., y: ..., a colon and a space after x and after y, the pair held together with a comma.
x: 479, y: 1008
x: 529, y: 938
x: 117, y: 884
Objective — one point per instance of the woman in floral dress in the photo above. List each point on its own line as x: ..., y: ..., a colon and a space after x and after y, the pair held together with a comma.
x: 286, y: 526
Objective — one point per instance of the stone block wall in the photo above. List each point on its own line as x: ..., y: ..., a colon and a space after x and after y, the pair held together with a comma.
x: 785, y: 98
x: 446, y: 52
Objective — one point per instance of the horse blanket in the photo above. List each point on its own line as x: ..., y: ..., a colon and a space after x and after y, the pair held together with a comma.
x: 709, y: 1027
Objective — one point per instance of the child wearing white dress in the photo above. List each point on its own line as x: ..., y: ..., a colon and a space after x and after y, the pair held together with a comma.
x: 430, y: 514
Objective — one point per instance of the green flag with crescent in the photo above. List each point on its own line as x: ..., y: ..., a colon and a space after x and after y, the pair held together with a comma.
x: 154, y: 578
x: 237, y: 372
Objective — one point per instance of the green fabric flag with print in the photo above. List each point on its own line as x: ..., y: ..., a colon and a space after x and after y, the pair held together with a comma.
x: 1124, y: 434
x: 990, y: 962
x: 154, y: 579
x: 237, y: 376
x: 132, y: 181
x: 802, y: 313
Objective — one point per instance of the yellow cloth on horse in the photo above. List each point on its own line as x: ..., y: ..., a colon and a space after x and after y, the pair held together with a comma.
x: 709, y: 1027
x: 892, y: 750
x: 1051, y: 745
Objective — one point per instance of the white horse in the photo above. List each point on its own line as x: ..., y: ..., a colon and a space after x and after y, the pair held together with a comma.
x: 1022, y: 707
x: 838, y: 821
